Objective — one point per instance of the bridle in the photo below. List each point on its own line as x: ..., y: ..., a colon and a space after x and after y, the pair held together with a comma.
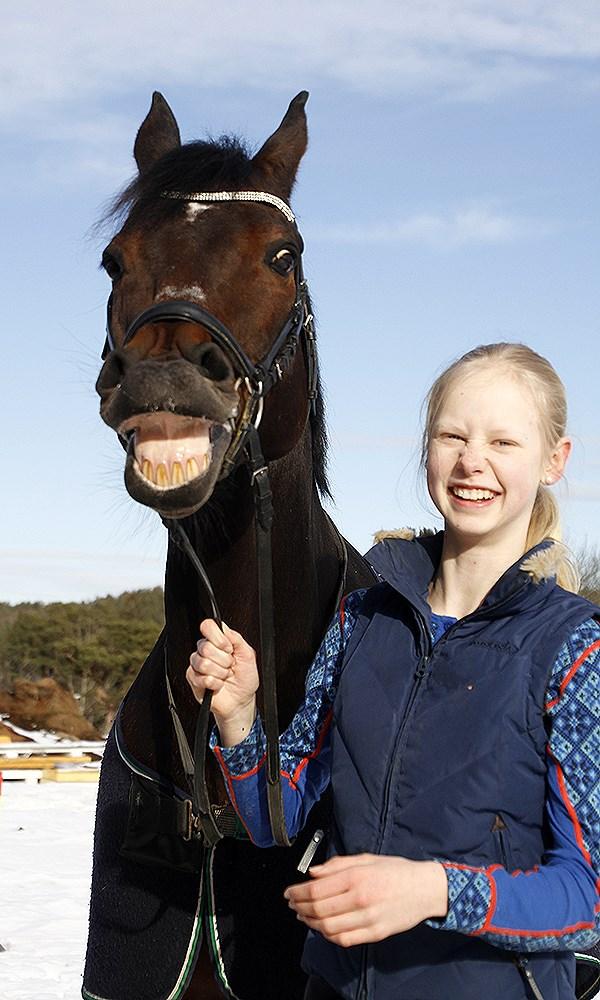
x: 258, y: 378
x: 207, y: 822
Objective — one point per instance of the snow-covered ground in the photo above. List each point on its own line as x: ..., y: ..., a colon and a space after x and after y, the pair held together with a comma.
x: 45, y: 866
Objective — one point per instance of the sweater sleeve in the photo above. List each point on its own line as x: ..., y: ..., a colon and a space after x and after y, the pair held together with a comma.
x: 304, y: 746
x: 556, y: 905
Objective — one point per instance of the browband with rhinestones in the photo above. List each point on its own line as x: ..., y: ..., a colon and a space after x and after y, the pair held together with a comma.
x: 263, y: 196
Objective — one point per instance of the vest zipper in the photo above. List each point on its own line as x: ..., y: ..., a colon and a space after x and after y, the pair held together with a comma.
x: 522, y: 964
x: 419, y: 674
x: 362, y: 982
x: 420, y: 671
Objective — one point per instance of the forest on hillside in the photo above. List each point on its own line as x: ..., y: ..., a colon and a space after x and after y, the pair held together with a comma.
x: 94, y: 649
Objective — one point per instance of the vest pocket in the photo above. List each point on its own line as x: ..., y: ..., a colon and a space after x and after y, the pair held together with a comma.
x: 500, y: 834
x: 501, y: 841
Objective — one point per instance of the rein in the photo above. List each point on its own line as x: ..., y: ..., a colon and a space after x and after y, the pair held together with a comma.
x: 211, y: 823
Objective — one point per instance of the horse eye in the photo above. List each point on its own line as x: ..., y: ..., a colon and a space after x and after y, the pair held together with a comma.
x: 284, y: 261
x: 111, y: 266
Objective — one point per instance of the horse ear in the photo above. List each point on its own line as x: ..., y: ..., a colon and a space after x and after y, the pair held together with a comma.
x: 158, y: 134
x: 278, y: 159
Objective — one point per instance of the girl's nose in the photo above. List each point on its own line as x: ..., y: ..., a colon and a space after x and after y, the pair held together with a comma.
x: 472, y: 458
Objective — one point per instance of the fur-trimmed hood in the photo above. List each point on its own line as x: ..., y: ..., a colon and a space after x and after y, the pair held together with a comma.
x: 541, y: 563
x: 408, y: 560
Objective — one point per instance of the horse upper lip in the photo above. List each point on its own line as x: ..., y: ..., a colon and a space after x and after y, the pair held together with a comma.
x: 129, y: 426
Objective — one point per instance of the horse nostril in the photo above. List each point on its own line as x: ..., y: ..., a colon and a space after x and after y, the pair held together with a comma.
x: 211, y: 360
x: 111, y: 373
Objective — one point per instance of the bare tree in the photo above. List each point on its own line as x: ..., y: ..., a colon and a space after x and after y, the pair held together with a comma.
x: 588, y: 563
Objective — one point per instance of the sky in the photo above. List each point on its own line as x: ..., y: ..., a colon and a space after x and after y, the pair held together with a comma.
x: 448, y: 198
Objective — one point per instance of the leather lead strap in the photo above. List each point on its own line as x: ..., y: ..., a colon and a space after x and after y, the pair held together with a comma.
x: 263, y: 503
x: 201, y: 799
x: 187, y: 758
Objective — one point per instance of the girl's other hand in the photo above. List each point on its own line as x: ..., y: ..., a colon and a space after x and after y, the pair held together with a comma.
x: 367, y: 897
x: 225, y: 664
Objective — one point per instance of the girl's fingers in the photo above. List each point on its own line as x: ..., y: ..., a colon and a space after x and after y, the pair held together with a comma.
x: 323, y: 888
x: 206, y: 649
x: 210, y: 630
x: 322, y: 909
x: 342, y: 924
x: 203, y: 682
x: 236, y: 639
x: 207, y: 667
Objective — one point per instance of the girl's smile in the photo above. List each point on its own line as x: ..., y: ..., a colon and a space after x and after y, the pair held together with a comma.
x: 469, y: 495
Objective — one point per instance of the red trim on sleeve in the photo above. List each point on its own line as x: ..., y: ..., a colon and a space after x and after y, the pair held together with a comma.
x: 246, y: 774
x: 228, y: 778
x: 493, y: 899
x: 569, y: 806
x: 293, y: 778
x: 585, y: 925
x: 493, y: 896
x: 572, y: 671
x: 470, y: 868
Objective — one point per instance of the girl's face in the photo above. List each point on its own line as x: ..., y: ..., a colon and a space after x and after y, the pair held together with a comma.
x: 487, y: 458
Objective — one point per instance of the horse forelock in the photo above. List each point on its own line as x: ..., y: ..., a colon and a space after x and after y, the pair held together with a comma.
x: 213, y: 164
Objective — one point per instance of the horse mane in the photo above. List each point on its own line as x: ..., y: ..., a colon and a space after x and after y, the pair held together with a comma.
x: 211, y: 165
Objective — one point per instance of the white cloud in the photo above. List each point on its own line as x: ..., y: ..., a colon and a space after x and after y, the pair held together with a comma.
x: 61, y: 73
x: 469, y: 49
x: 463, y: 226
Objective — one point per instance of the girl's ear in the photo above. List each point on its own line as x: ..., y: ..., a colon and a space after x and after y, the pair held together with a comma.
x: 558, y: 459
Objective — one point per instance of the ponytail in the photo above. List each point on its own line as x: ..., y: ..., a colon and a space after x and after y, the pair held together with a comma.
x: 545, y: 524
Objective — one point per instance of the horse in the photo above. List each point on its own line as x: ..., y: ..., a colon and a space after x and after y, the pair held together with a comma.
x: 210, y: 381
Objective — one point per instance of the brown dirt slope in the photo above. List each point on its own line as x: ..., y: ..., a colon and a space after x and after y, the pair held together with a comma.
x: 45, y: 704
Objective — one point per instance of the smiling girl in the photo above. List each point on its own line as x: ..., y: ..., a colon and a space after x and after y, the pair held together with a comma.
x: 455, y: 710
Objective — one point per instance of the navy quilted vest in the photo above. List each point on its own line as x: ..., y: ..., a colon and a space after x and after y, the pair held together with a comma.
x: 430, y: 745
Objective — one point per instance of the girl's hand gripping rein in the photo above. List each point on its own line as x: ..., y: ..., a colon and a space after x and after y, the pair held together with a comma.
x: 225, y: 664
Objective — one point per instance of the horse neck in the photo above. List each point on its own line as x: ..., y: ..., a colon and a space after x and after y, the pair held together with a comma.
x: 305, y: 566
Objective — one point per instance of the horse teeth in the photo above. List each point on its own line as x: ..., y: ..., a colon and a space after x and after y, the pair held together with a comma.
x: 206, y: 461
x: 192, y: 468
x: 162, y: 476
x: 177, y: 477
x: 147, y: 469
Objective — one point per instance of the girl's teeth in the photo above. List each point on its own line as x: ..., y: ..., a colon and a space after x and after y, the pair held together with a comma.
x: 472, y: 494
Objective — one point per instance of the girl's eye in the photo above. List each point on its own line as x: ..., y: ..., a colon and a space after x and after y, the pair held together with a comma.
x: 505, y: 444
x: 284, y: 261
x: 111, y: 266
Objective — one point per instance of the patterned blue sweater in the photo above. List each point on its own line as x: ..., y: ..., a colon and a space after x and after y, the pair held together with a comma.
x: 500, y: 906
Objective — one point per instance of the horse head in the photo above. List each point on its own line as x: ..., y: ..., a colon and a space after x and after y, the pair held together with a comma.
x: 208, y: 305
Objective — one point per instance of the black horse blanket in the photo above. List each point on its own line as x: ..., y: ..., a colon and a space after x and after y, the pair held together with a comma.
x: 148, y: 921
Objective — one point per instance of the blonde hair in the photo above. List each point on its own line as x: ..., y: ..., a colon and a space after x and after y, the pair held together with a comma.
x: 548, y: 392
